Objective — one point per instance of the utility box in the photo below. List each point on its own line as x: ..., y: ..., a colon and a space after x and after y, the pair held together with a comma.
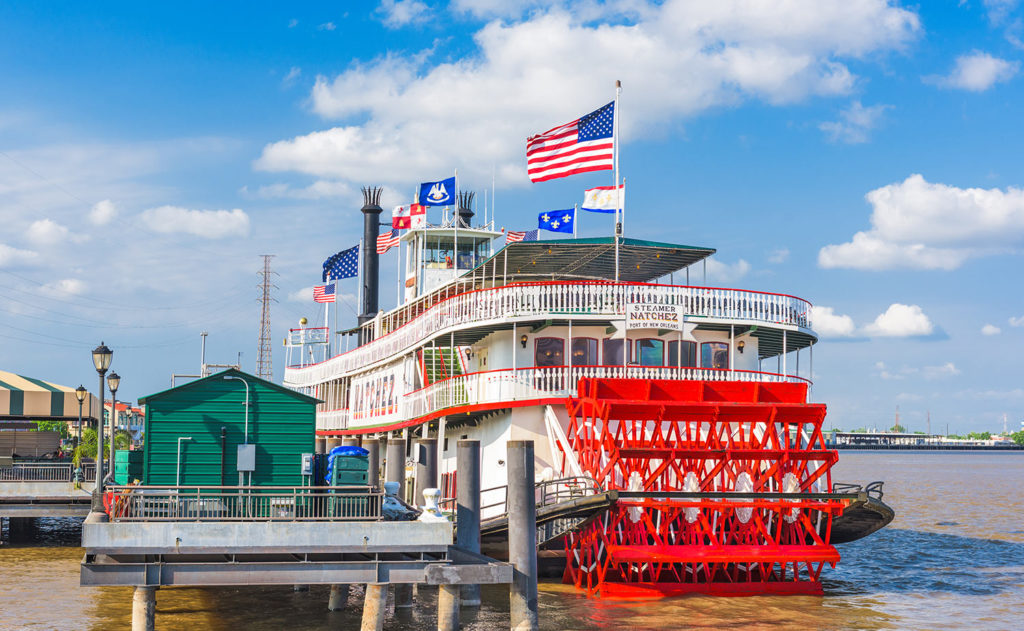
x: 281, y: 427
x: 246, y: 458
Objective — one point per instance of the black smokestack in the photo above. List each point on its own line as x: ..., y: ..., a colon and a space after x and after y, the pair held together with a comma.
x: 371, y: 260
x: 466, y: 208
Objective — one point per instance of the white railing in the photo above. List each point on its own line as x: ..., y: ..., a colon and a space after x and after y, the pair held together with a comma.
x: 405, y: 330
x: 525, y: 384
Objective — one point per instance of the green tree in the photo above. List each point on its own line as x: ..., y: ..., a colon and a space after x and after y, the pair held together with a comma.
x: 1018, y: 437
x: 898, y: 428
x: 980, y: 435
x: 53, y: 426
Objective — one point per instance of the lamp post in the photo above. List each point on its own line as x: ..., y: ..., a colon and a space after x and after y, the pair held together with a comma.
x: 101, y: 356
x: 80, y: 393
x: 113, y: 381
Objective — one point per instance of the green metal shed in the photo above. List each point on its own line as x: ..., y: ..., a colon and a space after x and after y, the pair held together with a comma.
x: 193, y: 432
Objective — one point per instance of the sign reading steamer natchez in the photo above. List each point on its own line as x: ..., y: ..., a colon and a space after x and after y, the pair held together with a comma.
x: 653, y: 316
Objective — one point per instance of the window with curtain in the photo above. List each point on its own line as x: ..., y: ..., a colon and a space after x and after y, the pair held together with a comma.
x: 549, y: 351
x: 649, y: 352
x: 689, y: 354
x: 612, y: 353
x: 584, y: 351
x: 714, y: 355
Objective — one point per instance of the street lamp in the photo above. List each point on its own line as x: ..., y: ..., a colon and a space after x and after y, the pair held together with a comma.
x: 101, y: 356
x: 80, y: 392
x: 113, y: 381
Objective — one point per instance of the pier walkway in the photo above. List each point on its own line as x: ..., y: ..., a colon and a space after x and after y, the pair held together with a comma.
x: 45, y: 490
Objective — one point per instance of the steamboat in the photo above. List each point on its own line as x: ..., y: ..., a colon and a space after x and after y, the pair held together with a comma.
x: 676, y: 449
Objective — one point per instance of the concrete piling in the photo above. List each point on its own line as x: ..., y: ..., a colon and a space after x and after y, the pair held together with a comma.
x: 426, y: 468
x: 394, y: 471
x: 522, y: 535
x: 144, y: 609
x: 374, y: 607
x: 372, y: 445
x: 467, y: 511
x: 338, y: 598
x: 448, y: 597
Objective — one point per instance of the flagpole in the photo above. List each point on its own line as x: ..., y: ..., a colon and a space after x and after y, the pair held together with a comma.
x: 330, y: 333
x: 455, y: 216
x: 359, y: 289
x: 493, y: 203
x: 575, y: 218
x: 327, y: 319
x: 618, y: 191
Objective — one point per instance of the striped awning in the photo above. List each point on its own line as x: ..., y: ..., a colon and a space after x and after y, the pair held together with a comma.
x: 34, y: 399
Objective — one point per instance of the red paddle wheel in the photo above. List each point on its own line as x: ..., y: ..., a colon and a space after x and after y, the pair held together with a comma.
x: 722, y: 488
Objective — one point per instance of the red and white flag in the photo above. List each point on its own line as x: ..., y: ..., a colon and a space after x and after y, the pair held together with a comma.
x: 400, y: 218
x: 417, y: 216
x: 586, y: 144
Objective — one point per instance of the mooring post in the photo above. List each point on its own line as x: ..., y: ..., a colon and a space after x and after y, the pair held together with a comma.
x: 374, y: 606
x: 467, y: 508
x: 394, y: 471
x: 447, y: 608
x: 522, y: 535
x: 338, y: 598
x: 426, y: 468
x: 144, y: 609
x: 372, y: 445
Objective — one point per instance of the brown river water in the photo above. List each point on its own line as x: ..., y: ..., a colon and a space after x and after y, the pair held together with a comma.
x: 952, y: 559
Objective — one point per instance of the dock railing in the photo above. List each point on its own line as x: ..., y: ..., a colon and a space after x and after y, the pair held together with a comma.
x: 546, y: 493
x: 245, y: 503
x: 45, y: 472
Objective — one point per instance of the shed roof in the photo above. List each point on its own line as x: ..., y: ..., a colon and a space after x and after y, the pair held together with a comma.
x: 220, y: 375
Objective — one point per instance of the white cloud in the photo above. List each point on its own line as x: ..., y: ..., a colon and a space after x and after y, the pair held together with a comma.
x: 67, y: 286
x: 999, y: 10
x: 327, y: 26
x: 885, y: 373
x: 293, y: 73
x: 209, y: 224
x: 727, y: 272
x: 920, y: 225
x: 1016, y: 321
x: 976, y: 72
x: 827, y: 323
x: 292, y: 23
x: 398, y: 13
x: 102, y: 213
x: 421, y: 113
x: 47, y: 232
x: 10, y: 257
x: 990, y: 329
x: 938, y: 372
x: 778, y: 256
x: 319, y: 189
x: 901, y: 320
x: 854, y: 123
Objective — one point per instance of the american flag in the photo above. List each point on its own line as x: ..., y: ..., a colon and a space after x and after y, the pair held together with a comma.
x: 324, y: 293
x: 516, y: 237
x: 387, y: 241
x: 586, y: 144
x: 344, y: 264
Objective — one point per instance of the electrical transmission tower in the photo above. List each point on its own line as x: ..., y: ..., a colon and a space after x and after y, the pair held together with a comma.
x: 264, y: 365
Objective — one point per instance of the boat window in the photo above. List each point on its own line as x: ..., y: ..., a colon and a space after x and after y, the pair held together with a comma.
x: 689, y: 354
x: 714, y: 355
x: 612, y: 353
x: 549, y: 351
x: 584, y: 351
x: 649, y: 352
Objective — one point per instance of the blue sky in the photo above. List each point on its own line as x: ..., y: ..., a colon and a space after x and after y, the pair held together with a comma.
x: 862, y: 155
